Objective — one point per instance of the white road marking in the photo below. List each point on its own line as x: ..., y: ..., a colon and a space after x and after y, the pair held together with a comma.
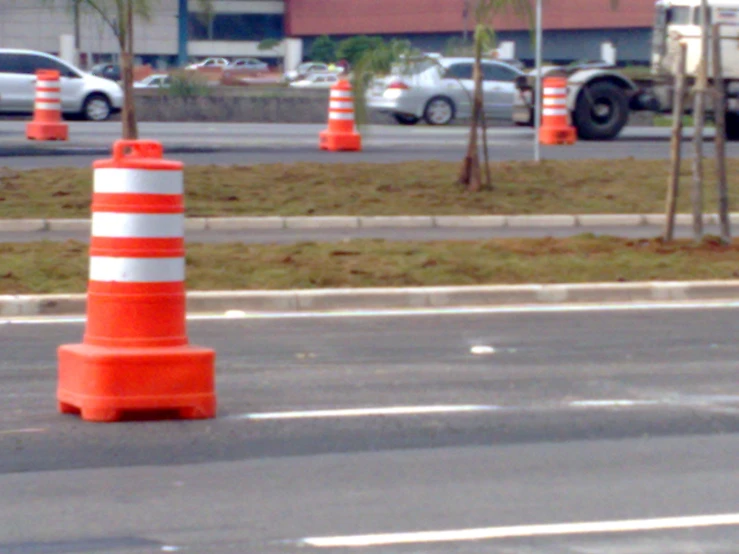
x: 363, y: 412
x: 482, y: 349
x: 415, y: 312
x: 520, y: 531
x: 611, y: 403
x: 690, y: 402
x: 22, y: 431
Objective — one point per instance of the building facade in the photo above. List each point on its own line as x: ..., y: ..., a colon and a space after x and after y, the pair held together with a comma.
x: 573, y: 29
x: 180, y: 29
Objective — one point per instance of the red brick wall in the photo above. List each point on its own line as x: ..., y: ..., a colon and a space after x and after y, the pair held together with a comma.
x: 347, y: 17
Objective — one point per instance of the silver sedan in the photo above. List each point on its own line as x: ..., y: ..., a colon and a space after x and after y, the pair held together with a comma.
x: 438, y: 91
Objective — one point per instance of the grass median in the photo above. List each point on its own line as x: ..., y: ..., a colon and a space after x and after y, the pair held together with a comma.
x: 46, y: 267
x: 413, y: 188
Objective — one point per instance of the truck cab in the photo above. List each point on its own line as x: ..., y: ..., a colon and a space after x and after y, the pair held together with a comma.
x: 679, y: 21
x: 600, y: 100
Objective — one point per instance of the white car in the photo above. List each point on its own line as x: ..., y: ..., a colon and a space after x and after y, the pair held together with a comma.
x: 439, y: 90
x: 251, y: 64
x: 157, y: 80
x: 209, y: 62
x: 317, y: 80
x: 93, y: 98
x: 308, y: 68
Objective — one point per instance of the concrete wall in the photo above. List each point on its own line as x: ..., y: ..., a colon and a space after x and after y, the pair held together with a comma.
x: 35, y: 25
x: 259, y: 106
x: 240, y: 106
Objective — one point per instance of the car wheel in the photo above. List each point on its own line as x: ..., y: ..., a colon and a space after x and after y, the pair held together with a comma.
x: 601, y: 112
x: 96, y: 108
x: 406, y: 119
x: 439, y: 111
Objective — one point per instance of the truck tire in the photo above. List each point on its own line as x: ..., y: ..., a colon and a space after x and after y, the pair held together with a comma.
x: 732, y: 126
x: 601, y: 112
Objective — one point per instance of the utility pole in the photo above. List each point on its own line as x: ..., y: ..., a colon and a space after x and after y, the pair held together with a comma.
x: 76, y: 8
x: 466, y: 15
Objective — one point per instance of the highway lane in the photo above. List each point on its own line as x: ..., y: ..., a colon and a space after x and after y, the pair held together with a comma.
x: 228, y: 144
x: 575, y: 417
x: 289, y: 236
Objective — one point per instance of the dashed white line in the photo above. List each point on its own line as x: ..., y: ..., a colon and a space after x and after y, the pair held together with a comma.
x: 521, y: 531
x: 364, y: 412
x: 22, y: 431
x: 611, y: 403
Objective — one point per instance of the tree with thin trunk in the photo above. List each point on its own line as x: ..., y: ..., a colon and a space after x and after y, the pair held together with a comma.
x: 483, y: 41
x: 119, y: 16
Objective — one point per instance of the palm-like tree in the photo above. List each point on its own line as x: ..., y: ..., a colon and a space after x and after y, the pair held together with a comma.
x: 119, y: 16
x: 483, y: 41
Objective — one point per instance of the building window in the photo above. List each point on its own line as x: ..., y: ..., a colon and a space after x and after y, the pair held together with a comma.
x: 236, y: 26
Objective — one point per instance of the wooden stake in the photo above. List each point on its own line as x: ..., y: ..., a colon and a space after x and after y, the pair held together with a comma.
x: 719, y: 111
x: 699, y: 109
x: 678, y: 107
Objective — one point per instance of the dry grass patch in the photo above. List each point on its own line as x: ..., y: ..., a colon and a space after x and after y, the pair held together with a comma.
x: 414, y: 188
x: 46, y: 267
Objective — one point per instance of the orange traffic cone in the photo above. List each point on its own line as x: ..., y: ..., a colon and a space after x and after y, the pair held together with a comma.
x: 47, y: 113
x: 555, y: 118
x: 341, y: 134
x: 135, y: 359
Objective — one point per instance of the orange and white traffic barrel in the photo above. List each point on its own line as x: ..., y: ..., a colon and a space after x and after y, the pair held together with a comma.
x: 341, y: 133
x: 135, y: 356
x: 47, y: 121
x: 555, y: 117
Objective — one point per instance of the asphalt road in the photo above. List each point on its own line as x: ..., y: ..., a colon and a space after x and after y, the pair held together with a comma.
x: 289, y: 236
x: 226, y: 144
x: 577, y: 416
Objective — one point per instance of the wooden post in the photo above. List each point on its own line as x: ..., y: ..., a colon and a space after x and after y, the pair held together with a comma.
x: 678, y: 107
x: 719, y: 112
x: 699, y: 108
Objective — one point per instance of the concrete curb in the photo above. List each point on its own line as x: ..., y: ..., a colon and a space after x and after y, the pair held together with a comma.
x: 400, y: 298
x: 240, y: 223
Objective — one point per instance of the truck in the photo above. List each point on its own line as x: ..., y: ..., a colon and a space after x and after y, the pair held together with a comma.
x: 600, y: 98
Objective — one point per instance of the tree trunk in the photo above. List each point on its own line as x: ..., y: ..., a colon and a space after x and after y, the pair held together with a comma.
x: 673, y: 183
x: 701, y: 83
x: 485, y: 152
x: 128, y: 115
x: 719, y: 112
x: 470, y: 171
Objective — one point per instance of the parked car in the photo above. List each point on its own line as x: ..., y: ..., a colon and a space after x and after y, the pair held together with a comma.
x: 251, y: 64
x: 208, y: 63
x: 308, y: 68
x: 438, y: 91
x: 316, y: 80
x: 157, y: 80
x: 110, y: 71
x: 92, y: 97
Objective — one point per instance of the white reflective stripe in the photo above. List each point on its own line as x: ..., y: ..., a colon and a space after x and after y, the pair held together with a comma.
x: 48, y: 95
x: 557, y: 91
x: 137, y: 270
x: 47, y: 84
x: 342, y: 94
x: 340, y: 105
x: 555, y: 101
x: 47, y: 105
x: 137, y: 181
x: 341, y: 115
x: 155, y: 226
x: 554, y: 111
